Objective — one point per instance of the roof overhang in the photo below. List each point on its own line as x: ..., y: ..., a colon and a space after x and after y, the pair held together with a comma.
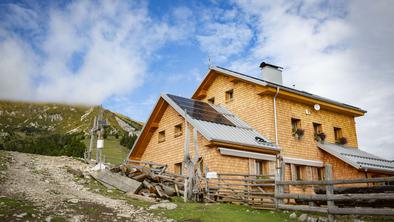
x: 247, y: 147
x: 269, y: 89
x: 356, y: 165
x: 269, y: 157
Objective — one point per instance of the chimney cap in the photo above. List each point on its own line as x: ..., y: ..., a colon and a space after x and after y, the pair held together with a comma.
x: 264, y: 64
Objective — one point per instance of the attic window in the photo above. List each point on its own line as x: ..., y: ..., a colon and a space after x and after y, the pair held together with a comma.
x: 295, y: 124
x: 338, y: 134
x: 211, y: 100
x: 229, y: 95
x: 162, y: 136
x: 178, y: 130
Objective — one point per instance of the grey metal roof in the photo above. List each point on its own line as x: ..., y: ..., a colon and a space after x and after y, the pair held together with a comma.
x: 240, y: 134
x: 265, y: 83
x: 357, y: 158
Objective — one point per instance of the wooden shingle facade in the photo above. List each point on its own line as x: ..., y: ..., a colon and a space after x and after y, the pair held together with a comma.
x: 292, y: 122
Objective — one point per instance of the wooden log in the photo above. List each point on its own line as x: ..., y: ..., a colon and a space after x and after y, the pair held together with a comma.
x: 346, y: 190
x: 329, y: 191
x: 168, y: 190
x: 248, y: 180
x: 160, y: 192
x: 140, y: 177
x: 302, y: 208
x: 337, y: 197
x: 241, y: 174
x: 362, y: 211
x: 333, y: 182
x: 149, y: 186
x: 247, y: 184
x: 139, y: 197
x: 146, y: 162
x: 176, y: 189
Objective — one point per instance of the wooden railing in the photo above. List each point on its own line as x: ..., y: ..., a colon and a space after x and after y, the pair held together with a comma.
x: 254, y: 190
x: 331, y: 202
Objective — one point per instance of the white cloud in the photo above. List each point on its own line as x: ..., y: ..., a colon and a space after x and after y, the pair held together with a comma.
x: 88, y: 51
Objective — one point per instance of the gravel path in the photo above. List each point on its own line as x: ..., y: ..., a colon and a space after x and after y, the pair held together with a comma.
x: 44, y: 181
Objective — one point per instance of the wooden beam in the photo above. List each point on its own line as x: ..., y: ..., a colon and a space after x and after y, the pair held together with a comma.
x: 302, y: 208
x: 362, y: 211
x: 333, y: 182
x: 154, y: 125
x: 337, y: 197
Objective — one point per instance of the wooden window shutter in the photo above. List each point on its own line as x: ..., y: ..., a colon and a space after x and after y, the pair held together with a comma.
x: 309, y: 173
x: 252, y: 166
x: 271, y: 168
x: 293, y: 172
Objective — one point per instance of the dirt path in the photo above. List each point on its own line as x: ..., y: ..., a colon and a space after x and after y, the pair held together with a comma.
x: 45, y: 182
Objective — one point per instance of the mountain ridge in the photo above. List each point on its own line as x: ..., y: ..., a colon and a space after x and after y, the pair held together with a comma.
x: 41, y: 117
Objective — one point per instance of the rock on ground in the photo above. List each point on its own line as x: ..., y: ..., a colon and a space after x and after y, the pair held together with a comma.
x: 293, y: 216
x: 168, y: 206
x: 303, y: 217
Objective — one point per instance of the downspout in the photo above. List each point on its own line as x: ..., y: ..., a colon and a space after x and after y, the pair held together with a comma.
x: 275, y: 117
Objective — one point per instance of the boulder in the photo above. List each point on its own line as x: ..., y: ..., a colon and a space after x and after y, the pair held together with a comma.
x: 168, y: 206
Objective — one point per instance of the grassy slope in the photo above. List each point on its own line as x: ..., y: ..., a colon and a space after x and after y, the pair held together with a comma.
x: 221, y: 212
x: 41, y: 115
x: 15, y: 116
x: 113, y: 151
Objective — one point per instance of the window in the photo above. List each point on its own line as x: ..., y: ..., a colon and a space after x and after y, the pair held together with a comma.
x: 229, y: 95
x: 211, y: 100
x: 178, y: 130
x: 318, y: 132
x: 162, y: 136
x: 262, y: 167
x: 298, y: 173
x: 317, y: 128
x: 178, y: 169
x: 317, y: 173
x: 295, y: 124
x: 338, y: 134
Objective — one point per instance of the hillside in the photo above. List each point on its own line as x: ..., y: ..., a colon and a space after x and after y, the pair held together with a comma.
x: 42, y: 118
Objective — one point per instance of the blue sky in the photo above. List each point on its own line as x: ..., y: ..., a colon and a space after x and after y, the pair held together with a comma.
x: 123, y: 54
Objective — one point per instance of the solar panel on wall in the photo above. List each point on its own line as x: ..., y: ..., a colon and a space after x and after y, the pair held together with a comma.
x: 200, y: 110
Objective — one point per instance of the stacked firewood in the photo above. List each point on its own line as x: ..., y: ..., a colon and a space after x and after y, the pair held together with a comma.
x: 155, y: 181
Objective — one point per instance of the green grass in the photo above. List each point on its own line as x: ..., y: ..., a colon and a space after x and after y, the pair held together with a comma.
x: 9, y: 207
x: 113, y: 151
x: 220, y: 212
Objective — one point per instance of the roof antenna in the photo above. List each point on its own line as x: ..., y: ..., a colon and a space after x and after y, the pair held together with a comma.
x: 209, y: 62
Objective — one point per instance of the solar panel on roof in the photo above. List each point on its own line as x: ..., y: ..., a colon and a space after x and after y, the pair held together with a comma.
x: 200, y: 110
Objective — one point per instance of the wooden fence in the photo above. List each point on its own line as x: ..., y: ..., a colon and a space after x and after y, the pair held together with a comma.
x: 254, y: 190
x: 333, y: 203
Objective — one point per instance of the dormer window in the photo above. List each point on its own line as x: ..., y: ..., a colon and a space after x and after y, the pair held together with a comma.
x: 229, y: 95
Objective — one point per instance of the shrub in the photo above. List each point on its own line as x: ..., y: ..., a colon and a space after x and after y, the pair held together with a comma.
x: 52, y: 145
x: 128, y: 140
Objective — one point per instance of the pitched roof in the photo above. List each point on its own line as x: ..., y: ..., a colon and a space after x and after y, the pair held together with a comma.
x: 359, y: 159
x: 238, y: 132
x: 262, y: 82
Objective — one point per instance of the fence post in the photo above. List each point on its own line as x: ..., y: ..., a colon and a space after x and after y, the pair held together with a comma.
x: 280, y: 176
x: 329, y: 192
